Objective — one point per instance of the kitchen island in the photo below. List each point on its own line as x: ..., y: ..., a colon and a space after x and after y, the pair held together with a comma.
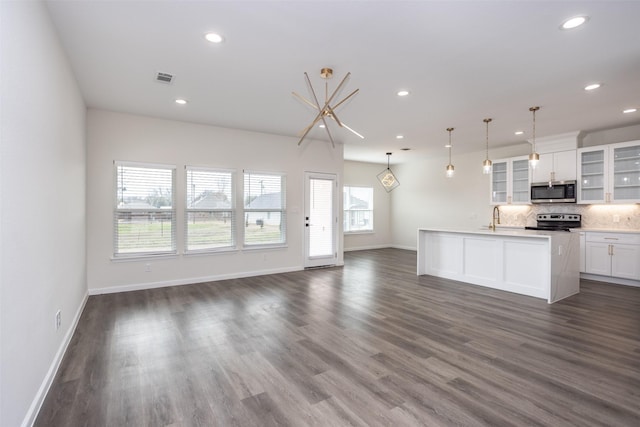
x: 542, y: 264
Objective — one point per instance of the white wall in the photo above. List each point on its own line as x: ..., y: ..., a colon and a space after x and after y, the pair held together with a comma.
x: 610, y: 136
x: 42, y: 182
x: 359, y: 174
x: 426, y: 198
x: 116, y: 136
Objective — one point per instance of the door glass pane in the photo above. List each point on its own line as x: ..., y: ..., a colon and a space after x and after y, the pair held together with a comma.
x: 321, y: 223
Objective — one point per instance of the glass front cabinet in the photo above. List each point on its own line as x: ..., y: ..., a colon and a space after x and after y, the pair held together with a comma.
x: 510, y: 181
x: 609, y: 174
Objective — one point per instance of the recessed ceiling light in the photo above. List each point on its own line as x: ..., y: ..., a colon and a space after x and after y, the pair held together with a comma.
x: 403, y: 93
x: 181, y: 101
x: 574, y: 22
x: 519, y: 132
x: 399, y: 136
x: 592, y: 86
x: 630, y: 110
x: 405, y: 149
x: 321, y: 126
x: 213, y: 37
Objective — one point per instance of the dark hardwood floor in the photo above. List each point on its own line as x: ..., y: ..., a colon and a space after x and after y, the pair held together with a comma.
x: 368, y: 344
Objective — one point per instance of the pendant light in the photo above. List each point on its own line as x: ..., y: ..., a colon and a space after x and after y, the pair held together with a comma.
x: 534, y: 157
x: 450, y: 168
x: 387, y: 178
x: 486, y: 165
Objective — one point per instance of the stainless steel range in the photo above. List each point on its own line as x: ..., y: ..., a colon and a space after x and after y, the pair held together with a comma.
x: 557, y: 222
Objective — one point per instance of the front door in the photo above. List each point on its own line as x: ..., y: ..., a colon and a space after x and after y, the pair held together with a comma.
x: 321, y: 219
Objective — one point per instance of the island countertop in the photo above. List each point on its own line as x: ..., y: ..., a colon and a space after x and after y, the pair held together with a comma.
x: 499, y: 231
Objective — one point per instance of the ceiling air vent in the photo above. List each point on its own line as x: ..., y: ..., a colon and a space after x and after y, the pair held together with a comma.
x: 164, y: 77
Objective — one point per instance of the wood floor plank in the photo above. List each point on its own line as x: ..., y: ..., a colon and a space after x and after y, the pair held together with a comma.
x: 367, y: 344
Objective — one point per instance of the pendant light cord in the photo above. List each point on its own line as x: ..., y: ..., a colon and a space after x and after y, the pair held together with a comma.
x: 487, y: 121
x: 449, y: 129
x: 533, y: 136
x: 487, y: 137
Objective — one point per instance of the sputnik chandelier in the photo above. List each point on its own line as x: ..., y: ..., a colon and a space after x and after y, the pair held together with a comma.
x: 325, y: 110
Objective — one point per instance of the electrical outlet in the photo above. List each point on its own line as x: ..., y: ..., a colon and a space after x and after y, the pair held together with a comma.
x: 58, y: 319
x: 147, y: 268
x: 616, y: 218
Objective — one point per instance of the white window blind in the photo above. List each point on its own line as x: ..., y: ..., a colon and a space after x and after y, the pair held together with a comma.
x: 264, y: 209
x: 210, y: 210
x: 144, y: 217
x: 358, y: 209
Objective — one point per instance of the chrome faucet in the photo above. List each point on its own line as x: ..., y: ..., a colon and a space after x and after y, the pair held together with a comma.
x: 495, y: 218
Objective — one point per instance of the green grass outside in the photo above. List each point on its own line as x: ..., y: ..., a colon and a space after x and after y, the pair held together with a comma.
x: 203, y: 234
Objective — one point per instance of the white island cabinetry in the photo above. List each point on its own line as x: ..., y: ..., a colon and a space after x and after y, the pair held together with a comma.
x: 528, y: 262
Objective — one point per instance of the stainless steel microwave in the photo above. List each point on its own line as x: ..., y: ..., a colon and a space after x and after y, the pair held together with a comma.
x: 553, y: 192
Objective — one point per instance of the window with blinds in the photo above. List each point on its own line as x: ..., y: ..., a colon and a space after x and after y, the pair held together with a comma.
x: 264, y: 209
x: 145, y: 216
x: 210, y: 210
x: 358, y: 209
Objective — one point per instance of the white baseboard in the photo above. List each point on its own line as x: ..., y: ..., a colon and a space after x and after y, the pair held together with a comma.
x: 607, y: 279
x: 38, y: 400
x: 188, y: 281
x: 366, y: 248
x: 406, y: 248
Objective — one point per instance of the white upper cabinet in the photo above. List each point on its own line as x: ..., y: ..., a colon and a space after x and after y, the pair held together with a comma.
x: 559, y: 166
x: 625, y: 179
x: 510, y: 181
x: 557, y: 158
x: 609, y: 173
x: 593, y: 164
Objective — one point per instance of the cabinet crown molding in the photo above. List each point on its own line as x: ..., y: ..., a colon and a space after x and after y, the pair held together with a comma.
x: 555, y: 143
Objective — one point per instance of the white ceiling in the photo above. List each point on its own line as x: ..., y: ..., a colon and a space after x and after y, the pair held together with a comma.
x: 462, y: 62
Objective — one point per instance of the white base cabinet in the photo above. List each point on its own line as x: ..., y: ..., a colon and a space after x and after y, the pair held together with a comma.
x: 613, y: 255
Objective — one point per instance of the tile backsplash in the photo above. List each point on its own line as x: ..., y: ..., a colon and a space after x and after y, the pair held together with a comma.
x: 606, y: 216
